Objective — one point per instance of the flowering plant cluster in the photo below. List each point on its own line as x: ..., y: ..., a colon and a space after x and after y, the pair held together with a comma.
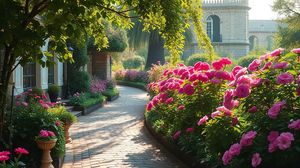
x: 45, y: 135
x: 16, y: 163
x: 248, y: 117
x: 132, y: 76
x: 97, y: 85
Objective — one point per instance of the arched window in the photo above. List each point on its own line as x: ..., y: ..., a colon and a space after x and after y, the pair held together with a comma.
x: 270, y: 43
x: 213, y: 28
x: 253, y: 40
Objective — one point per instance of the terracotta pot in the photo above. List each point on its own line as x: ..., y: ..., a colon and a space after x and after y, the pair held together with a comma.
x: 67, y: 126
x: 46, y: 146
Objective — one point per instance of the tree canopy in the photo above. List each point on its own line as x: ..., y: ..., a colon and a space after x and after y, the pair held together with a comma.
x: 289, y: 10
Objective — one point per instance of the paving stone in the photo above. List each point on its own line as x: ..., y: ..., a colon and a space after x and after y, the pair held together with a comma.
x: 115, y: 137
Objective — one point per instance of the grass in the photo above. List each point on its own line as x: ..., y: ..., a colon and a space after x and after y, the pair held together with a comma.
x: 111, y: 92
x: 91, y: 101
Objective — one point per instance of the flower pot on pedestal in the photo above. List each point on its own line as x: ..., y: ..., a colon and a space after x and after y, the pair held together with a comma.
x: 66, y: 130
x: 46, y: 146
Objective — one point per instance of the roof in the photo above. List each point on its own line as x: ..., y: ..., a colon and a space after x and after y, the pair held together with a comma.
x: 263, y: 26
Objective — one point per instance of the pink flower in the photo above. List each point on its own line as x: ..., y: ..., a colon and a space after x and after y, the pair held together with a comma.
x: 21, y: 151
x: 234, y: 121
x: 4, y: 153
x: 296, y: 50
x: 227, y: 157
x: 264, y: 57
x: 240, y: 73
x: 4, y: 157
x: 18, y: 103
x: 275, y: 109
x: 285, y: 78
x: 267, y: 66
x: 215, y: 114
x: 223, y: 75
x: 193, y: 77
x: 185, y: 75
x: 253, y: 109
x: 226, y: 111
x: 244, y: 80
x: 272, y: 147
x: 181, y: 107
x: 57, y: 123
x: 281, y: 65
x: 189, y: 130
x: 256, y: 160
x: 284, y: 140
x: 188, y: 89
x: 256, y: 82
x: 225, y: 61
x: 25, y: 104
x: 235, y: 149
x: 18, y: 96
x: 247, y: 139
x: 298, y: 80
x: 228, y: 101
x: 277, y: 52
x: 236, y: 69
x: 202, y: 77
x: 149, y: 106
x: 169, y: 100
x: 216, y: 81
x: 242, y: 91
x: 201, y: 66
x: 254, y: 65
x: 44, y: 133
x: 217, y: 65
x: 29, y: 90
x: 272, y: 136
x: 295, y: 125
x: 176, y: 135
x: 50, y: 133
x: 202, y: 120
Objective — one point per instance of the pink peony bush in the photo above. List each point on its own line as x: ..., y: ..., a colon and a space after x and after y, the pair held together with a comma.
x: 246, y: 117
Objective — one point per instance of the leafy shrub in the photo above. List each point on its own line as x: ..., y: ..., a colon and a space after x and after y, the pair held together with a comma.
x: 53, y: 89
x: 111, y: 92
x: 86, y: 99
x: 245, y: 61
x: 63, y: 114
x: 83, y: 85
x: 28, y: 119
x: 110, y: 84
x: 191, y: 60
x: 134, y: 62
x: 37, y: 91
x: 156, y: 71
x: 132, y: 76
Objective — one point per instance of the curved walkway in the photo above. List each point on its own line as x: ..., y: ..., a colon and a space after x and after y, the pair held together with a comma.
x: 115, y: 137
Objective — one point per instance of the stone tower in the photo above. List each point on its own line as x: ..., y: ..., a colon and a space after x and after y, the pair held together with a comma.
x: 226, y: 23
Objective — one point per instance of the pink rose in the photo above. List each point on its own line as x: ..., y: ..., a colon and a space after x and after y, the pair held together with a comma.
x: 215, y: 114
x: 272, y: 147
x: 181, y: 107
x: 295, y: 125
x: 185, y: 75
x: 296, y: 50
x: 276, y: 52
x: 149, y: 106
x: 256, y: 160
x: 51, y: 134
x: 169, y: 100
x: 264, y: 57
x: 236, y: 69
x: 25, y: 104
x: 242, y: 91
x: 217, y: 65
x: 253, y: 109
x: 228, y: 99
x: 256, y: 82
x: 281, y: 65
x: 4, y: 153
x: 193, y: 77
x: 44, y: 133
x: 244, y: 80
x: 189, y: 130
x: 223, y: 75
x: 284, y: 140
x: 188, y: 89
x: 234, y: 121
x: 285, y: 78
x: 227, y: 157
x: 21, y: 151
x: 241, y: 72
x: 199, y: 66
x: 202, y: 120
x: 225, y: 61
x: 4, y: 158
x: 202, y: 77
x: 57, y: 123
x: 176, y: 135
x: 275, y: 109
x: 226, y: 111
x: 235, y: 149
x: 267, y: 66
x: 254, y: 65
x: 247, y: 138
x: 272, y: 136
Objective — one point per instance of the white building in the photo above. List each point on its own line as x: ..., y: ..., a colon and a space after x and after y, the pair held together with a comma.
x: 229, y: 28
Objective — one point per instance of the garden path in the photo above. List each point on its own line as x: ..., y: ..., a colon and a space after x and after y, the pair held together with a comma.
x: 114, y: 136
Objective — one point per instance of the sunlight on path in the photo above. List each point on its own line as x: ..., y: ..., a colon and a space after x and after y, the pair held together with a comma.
x: 115, y: 137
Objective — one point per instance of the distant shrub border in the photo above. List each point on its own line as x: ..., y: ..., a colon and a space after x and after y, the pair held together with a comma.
x: 139, y: 85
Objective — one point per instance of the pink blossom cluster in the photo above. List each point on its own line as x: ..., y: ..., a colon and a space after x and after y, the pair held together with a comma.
x: 42, y: 100
x: 97, y: 85
x: 4, y: 155
x: 46, y: 134
x: 235, y: 149
x: 282, y: 141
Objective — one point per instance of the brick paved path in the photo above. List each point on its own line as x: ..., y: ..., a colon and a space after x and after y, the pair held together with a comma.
x: 115, y: 137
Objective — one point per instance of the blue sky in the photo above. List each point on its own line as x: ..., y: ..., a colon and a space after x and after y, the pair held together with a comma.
x: 261, y: 10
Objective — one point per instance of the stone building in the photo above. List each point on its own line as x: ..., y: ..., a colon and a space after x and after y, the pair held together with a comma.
x: 229, y: 28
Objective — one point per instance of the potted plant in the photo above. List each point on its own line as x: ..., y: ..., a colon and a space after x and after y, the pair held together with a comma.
x: 66, y: 117
x: 53, y: 91
x: 46, y: 140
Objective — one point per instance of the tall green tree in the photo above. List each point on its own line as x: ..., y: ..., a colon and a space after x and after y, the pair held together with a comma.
x: 26, y: 24
x: 289, y: 11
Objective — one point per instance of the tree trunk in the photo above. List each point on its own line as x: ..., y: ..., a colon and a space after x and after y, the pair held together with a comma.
x: 155, y: 50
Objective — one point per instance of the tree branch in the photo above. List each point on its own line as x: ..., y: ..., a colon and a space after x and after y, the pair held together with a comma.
x: 35, y: 11
x: 120, y: 13
x: 26, y: 8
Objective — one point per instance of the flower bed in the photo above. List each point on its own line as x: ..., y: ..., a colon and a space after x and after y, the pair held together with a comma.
x: 248, y: 117
x: 111, y: 94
